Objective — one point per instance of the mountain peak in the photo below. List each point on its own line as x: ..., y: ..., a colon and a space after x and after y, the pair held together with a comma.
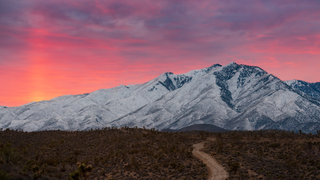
x: 291, y: 82
x: 168, y: 73
x: 216, y: 65
x: 231, y: 64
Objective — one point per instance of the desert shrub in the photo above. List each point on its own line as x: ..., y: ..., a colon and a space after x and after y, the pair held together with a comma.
x: 7, y: 151
x: 35, y: 168
x: 82, y: 172
x: 4, y: 175
x: 36, y: 176
x: 234, y: 166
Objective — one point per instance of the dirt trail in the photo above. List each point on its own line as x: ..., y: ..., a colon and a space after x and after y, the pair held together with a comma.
x: 216, y: 171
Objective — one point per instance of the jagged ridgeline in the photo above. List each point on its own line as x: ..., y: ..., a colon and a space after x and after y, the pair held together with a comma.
x: 232, y: 97
x: 311, y: 89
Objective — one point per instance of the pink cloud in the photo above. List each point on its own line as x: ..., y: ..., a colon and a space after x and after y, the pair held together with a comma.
x: 51, y: 48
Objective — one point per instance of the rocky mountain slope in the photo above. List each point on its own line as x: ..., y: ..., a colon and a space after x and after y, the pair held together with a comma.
x: 233, y: 97
x: 311, y: 89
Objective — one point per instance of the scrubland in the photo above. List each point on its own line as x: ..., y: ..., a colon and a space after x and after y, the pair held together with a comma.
x: 267, y: 154
x: 137, y: 153
x: 109, y: 153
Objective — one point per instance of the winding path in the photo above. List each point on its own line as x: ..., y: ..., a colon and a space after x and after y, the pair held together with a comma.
x: 216, y: 171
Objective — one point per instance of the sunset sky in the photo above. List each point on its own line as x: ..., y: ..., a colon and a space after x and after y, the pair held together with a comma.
x: 50, y: 48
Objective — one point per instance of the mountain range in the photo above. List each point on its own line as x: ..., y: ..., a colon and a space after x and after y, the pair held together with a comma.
x: 232, y: 97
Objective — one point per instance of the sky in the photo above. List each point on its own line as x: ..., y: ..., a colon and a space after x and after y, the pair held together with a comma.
x: 56, y: 47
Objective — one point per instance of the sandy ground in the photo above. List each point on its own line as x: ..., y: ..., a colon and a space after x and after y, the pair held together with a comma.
x: 216, y: 171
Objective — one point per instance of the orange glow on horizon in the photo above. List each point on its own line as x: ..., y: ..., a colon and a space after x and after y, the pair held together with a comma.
x: 38, y: 80
x: 53, y: 48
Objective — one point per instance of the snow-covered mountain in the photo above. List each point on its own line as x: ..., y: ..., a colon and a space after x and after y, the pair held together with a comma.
x: 233, y: 97
x: 311, y: 89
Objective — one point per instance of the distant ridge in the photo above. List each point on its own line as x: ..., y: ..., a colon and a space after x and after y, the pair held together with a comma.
x: 199, y: 127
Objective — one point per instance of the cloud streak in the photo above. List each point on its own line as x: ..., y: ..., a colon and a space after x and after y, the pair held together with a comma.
x: 54, y: 47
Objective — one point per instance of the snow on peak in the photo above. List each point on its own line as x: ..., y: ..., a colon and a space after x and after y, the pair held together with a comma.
x: 231, y: 64
x: 232, y: 96
x: 295, y: 82
x: 291, y: 82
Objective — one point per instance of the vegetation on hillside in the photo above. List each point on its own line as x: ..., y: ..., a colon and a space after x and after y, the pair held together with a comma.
x: 267, y: 154
x: 135, y: 153
x: 109, y: 153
